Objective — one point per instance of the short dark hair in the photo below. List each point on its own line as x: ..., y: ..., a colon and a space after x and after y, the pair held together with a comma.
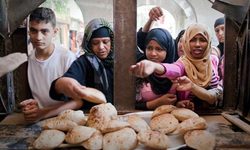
x: 43, y: 14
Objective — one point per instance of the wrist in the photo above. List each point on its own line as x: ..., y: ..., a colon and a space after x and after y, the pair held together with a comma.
x: 160, y: 70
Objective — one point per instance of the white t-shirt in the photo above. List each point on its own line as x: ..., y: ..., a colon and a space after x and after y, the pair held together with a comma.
x: 42, y: 73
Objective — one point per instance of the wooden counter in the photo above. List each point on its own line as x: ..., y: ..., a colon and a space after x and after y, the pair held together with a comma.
x: 14, y: 134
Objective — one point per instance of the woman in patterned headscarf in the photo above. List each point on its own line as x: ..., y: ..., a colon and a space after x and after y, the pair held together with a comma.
x: 93, y: 69
x: 197, y: 63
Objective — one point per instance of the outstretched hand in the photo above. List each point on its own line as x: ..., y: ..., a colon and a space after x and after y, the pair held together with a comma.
x: 183, y: 84
x: 144, y: 68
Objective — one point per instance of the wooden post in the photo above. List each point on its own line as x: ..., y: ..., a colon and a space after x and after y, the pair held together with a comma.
x: 125, y: 54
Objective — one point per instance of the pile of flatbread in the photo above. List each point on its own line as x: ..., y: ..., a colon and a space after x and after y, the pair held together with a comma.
x: 104, y: 129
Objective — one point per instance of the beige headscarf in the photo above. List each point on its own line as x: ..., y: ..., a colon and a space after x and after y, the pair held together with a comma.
x: 198, y: 70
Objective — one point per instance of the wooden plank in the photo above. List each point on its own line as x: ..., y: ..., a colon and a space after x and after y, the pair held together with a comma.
x: 241, y: 124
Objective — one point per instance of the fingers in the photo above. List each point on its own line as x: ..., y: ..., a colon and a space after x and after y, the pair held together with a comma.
x: 155, y: 13
x: 31, y: 113
x: 28, y: 102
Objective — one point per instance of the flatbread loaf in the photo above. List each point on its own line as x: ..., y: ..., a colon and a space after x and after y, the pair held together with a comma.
x: 79, y: 134
x: 93, y: 95
x: 183, y: 113
x: 100, y: 115
x: 94, y: 142
x: 137, y: 123
x: 153, y: 139
x: 115, y: 125
x: 200, y: 140
x: 164, y: 123
x: 162, y: 110
x: 196, y: 123
x: 49, y: 139
x: 75, y: 116
x: 59, y: 124
x: 124, y: 139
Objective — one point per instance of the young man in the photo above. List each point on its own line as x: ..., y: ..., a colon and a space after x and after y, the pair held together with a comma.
x: 46, y: 63
x: 93, y: 69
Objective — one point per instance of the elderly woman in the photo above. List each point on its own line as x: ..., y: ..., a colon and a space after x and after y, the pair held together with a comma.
x: 93, y: 69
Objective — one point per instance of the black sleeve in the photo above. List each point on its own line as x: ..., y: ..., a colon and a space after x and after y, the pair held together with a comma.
x: 141, y: 37
x: 141, y: 105
x: 76, y: 71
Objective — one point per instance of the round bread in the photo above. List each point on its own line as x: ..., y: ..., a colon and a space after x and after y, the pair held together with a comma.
x: 124, y: 139
x: 75, y: 116
x: 79, y: 134
x: 100, y: 115
x: 153, y: 139
x: 191, y: 124
x: 49, y: 139
x: 93, y: 95
x: 137, y: 123
x: 59, y: 124
x: 94, y: 142
x: 200, y: 140
x: 183, y: 113
x: 162, y: 110
x: 115, y: 125
x: 164, y: 123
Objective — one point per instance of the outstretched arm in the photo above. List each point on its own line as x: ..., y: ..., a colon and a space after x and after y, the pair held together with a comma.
x: 11, y: 62
x: 145, y: 68
x: 72, y: 88
x: 154, y: 14
x: 210, y: 96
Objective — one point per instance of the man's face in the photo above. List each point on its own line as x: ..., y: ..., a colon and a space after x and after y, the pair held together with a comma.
x: 41, y: 34
x: 219, y: 31
x: 101, y: 47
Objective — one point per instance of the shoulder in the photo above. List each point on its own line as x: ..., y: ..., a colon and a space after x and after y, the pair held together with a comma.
x: 63, y: 52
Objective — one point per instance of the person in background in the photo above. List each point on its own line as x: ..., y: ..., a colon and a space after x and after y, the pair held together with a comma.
x: 79, y: 38
x: 153, y: 92
x: 46, y: 63
x: 92, y: 69
x: 154, y: 14
x: 179, y: 45
x: 219, y: 27
x: 197, y: 63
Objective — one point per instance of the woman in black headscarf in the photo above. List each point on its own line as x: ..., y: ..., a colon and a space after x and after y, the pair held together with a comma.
x: 154, y: 91
x: 93, y: 69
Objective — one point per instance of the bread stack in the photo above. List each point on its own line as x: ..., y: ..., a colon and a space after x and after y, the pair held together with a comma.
x: 104, y: 129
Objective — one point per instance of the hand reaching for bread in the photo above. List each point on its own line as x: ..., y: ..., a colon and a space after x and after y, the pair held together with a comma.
x: 75, y: 90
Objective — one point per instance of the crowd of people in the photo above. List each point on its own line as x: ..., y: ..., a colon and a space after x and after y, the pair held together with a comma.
x: 186, y: 71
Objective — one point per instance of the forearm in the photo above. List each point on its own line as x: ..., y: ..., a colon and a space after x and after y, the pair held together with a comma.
x: 55, y: 110
x: 146, y: 27
x: 210, y: 96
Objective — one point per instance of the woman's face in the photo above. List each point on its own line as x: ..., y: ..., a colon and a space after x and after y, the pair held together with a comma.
x: 198, y: 45
x: 101, y: 47
x: 219, y: 31
x: 180, y: 47
x: 155, y: 52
